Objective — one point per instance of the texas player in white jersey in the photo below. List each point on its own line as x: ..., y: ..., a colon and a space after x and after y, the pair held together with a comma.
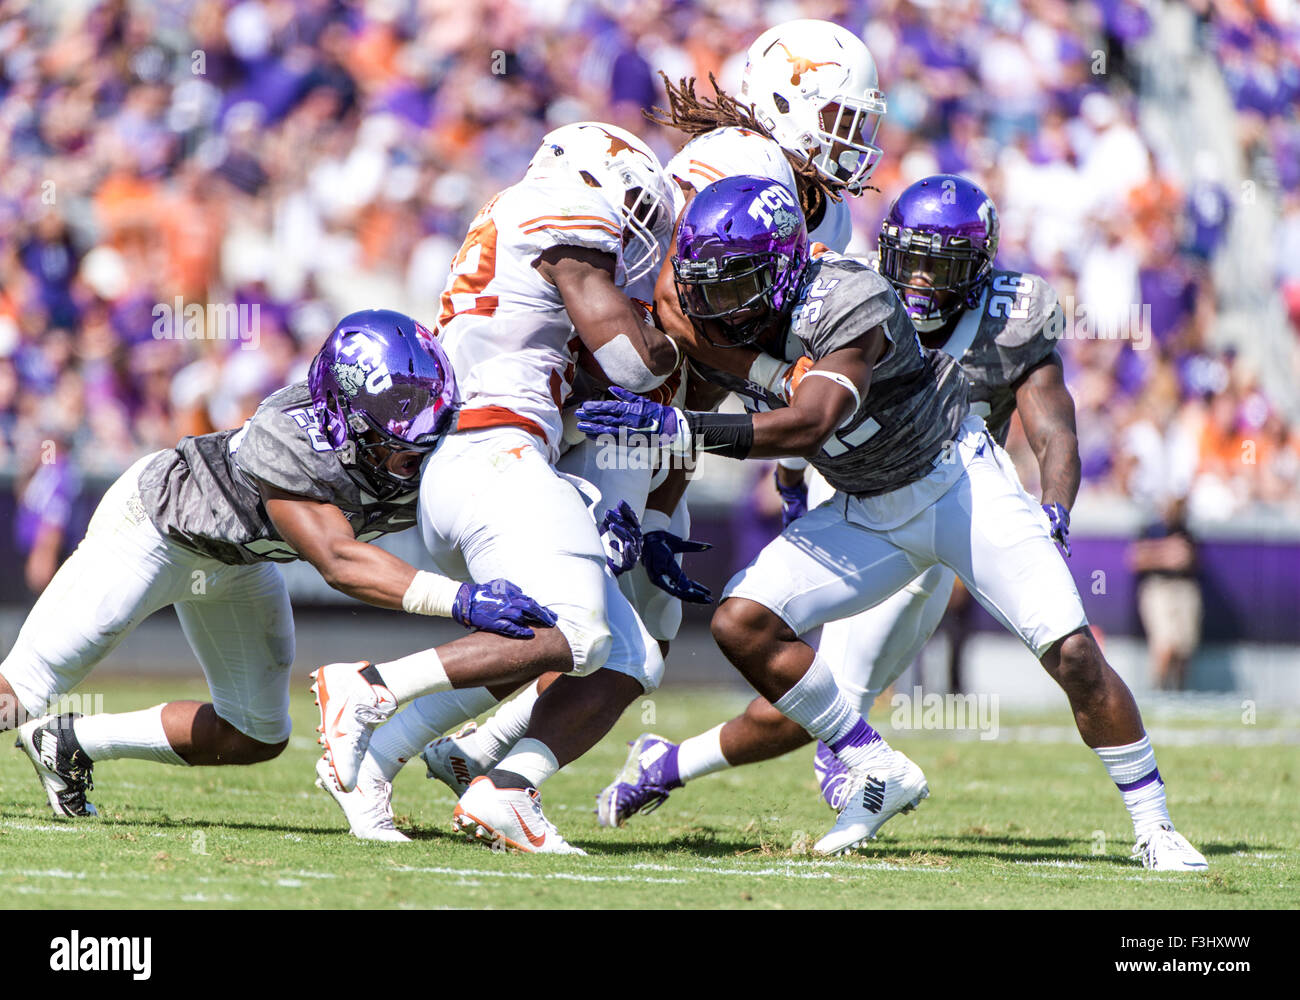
x: 540, y: 279
x: 816, y: 110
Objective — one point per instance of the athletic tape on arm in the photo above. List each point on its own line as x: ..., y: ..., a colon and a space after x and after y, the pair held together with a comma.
x: 619, y: 360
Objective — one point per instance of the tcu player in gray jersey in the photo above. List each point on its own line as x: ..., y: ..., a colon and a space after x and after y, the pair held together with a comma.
x: 322, y: 468
x: 937, y: 246
x: 919, y: 481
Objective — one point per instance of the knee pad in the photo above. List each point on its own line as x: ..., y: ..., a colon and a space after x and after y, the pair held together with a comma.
x: 589, y: 643
x: 647, y: 668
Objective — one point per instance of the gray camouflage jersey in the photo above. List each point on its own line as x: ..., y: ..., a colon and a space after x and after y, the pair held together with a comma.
x: 917, y: 398
x: 206, y: 493
x: 1000, y: 340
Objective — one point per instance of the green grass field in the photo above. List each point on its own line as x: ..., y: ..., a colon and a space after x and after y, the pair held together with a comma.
x: 1009, y: 824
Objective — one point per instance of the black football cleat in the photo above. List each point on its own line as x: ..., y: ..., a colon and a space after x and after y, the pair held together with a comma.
x: 61, y: 764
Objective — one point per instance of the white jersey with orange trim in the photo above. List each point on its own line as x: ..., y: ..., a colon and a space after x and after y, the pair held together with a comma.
x: 727, y: 152
x: 502, y: 324
x: 731, y: 151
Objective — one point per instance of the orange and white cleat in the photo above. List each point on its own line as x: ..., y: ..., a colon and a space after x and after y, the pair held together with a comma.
x: 508, y: 819
x: 353, y: 702
x: 368, y: 807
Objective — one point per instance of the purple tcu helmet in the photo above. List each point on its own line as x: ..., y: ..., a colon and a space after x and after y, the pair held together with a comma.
x: 937, y: 246
x: 382, y: 386
x: 742, y: 249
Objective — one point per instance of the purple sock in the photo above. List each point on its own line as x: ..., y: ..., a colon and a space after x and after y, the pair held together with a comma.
x: 830, y: 774
x: 852, y: 746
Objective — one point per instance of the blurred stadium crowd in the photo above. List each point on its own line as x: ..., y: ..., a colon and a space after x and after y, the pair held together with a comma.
x: 314, y: 156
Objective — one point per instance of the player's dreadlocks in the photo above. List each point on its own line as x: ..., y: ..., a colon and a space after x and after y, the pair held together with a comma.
x: 695, y: 115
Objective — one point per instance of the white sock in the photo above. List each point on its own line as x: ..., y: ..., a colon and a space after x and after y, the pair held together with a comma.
x: 406, y: 733
x: 530, y: 759
x: 701, y: 755
x: 138, y: 735
x: 817, y: 704
x: 506, y: 727
x: 414, y: 675
x: 1133, y: 769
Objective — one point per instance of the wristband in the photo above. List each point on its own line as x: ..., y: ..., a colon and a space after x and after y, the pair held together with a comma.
x: 430, y: 594
x: 792, y: 463
x: 730, y: 435
x: 655, y: 520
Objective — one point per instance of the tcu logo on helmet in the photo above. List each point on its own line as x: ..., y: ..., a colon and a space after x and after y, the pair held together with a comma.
x: 368, y: 369
x: 772, y: 208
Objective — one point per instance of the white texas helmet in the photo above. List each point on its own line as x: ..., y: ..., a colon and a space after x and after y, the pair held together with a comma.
x: 813, y: 85
x: 630, y: 177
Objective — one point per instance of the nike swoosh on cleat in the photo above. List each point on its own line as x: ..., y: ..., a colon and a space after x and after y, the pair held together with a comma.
x: 533, y: 838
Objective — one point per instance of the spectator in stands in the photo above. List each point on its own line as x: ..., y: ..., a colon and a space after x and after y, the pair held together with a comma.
x: 46, y: 495
x: 325, y: 156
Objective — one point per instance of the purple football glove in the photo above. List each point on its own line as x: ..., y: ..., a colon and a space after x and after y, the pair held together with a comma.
x: 658, y: 554
x: 501, y: 607
x: 620, y: 532
x: 1059, y: 518
x: 794, y: 500
x: 630, y: 412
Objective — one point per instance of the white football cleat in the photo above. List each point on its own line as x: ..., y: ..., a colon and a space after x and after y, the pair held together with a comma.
x: 1164, y: 849
x: 368, y: 807
x: 447, y: 760
x: 350, y: 709
x: 874, y: 795
x: 508, y: 819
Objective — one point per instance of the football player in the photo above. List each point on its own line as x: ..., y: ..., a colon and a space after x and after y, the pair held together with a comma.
x: 812, y: 127
x: 541, y: 284
x: 919, y: 481
x: 937, y: 245
x: 323, y: 467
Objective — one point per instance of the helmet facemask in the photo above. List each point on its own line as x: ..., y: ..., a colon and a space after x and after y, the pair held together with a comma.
x: 370, y: 451
x: 847, y: 139
x: 646, y: 229
x: 737, y: 293
x: 934, y: 281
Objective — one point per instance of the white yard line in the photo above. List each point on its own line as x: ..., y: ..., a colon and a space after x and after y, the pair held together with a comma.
x: 789, y: 872
x: 41, y: 827
x: 44, y: 873
x: 561, y: 876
